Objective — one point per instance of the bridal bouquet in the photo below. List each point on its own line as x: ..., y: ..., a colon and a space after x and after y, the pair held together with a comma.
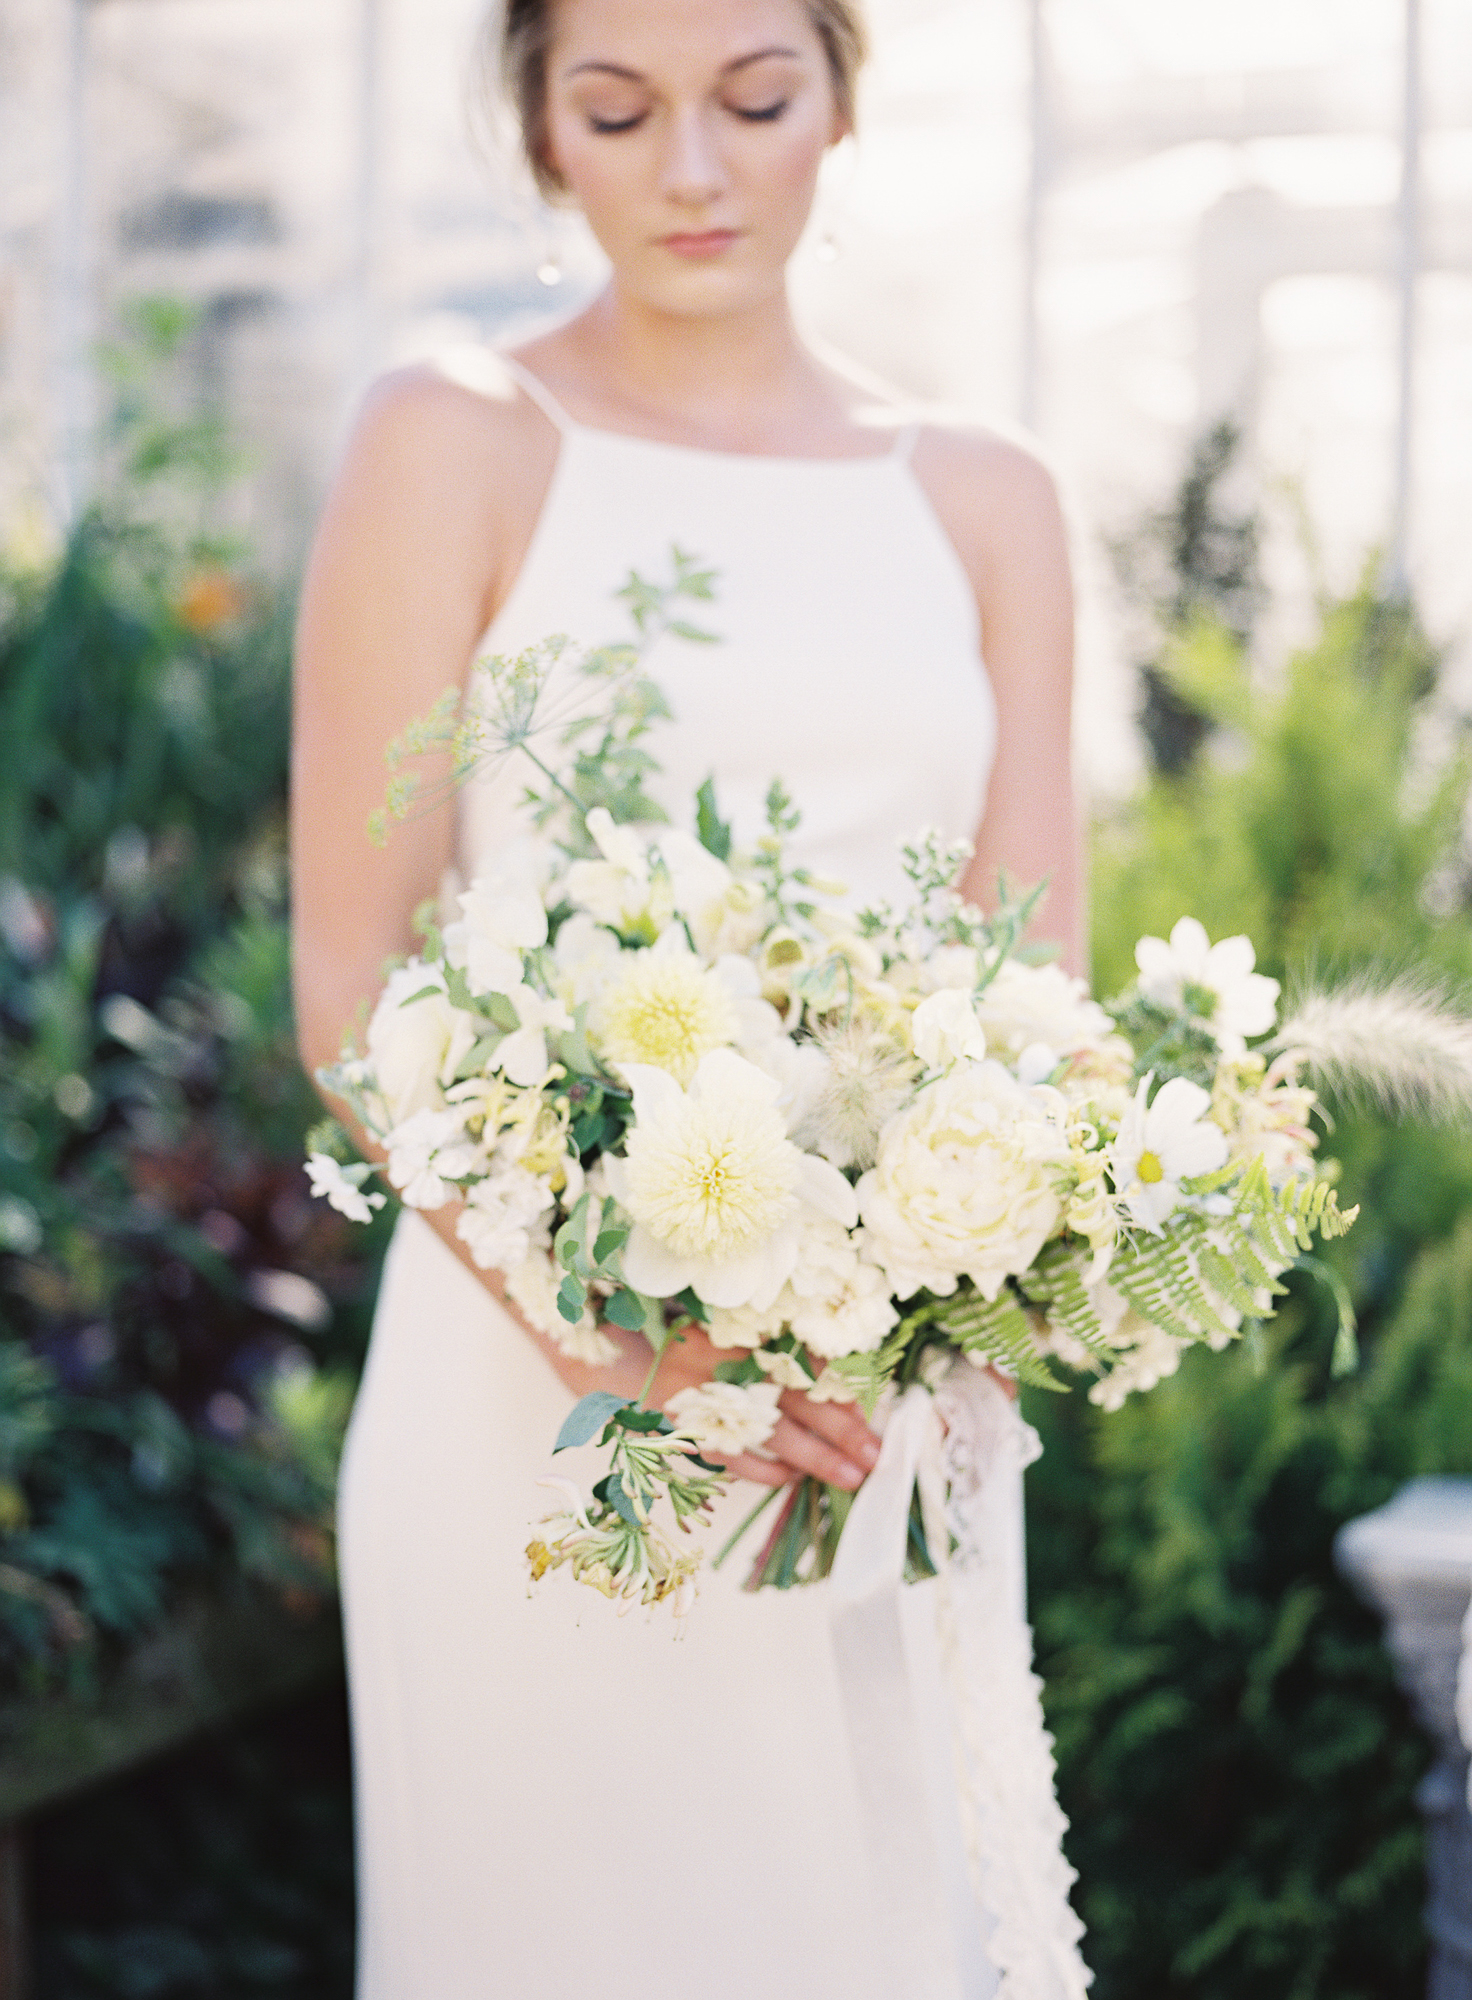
x: 675, y: 1081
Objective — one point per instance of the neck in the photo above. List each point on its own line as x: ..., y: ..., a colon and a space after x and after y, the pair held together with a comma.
x: 718, y: 370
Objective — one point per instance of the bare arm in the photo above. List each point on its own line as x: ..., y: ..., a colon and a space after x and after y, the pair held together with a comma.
x: 1001, y: 507
x: 431, y: 512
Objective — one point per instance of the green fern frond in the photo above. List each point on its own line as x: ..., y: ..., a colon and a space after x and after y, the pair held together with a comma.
x: 1056, y: 1283
x: 998, y: 1331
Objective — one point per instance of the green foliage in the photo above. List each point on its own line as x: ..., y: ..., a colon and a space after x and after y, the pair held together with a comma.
x: 1237, y: 1763
x: 176, y: 1315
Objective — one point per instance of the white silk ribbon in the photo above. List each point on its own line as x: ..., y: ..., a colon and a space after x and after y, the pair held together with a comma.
x: 1464, y: 1691
x: 997, y: 1926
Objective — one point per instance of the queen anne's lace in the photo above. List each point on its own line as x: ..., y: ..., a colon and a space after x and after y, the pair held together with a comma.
x: 1011, y: 1819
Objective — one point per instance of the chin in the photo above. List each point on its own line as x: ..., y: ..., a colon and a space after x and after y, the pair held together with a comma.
x: 703, y: 290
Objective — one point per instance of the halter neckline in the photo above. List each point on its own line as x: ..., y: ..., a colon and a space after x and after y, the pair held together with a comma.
x: 538, y: 392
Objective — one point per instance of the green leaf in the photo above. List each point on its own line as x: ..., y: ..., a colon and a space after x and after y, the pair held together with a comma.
x: 691, y: 632
x: 626, y: 1309
x: 608, y: 1242
x: 696, y: 1307
x: 572, y: 1297
x: 713, y: 832
x: 588, y: 1416
x: 740, y: 1372
x: 642, y: 1420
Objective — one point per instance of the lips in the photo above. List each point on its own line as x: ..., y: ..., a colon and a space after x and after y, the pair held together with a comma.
x: 699, y: 244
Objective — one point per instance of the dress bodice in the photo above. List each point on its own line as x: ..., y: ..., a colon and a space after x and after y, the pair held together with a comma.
x: 849, y: 660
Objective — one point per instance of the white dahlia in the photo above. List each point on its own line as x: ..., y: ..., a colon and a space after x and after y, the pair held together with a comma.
x: 663, y: 1008
x: 966, y: 1183
x: 715, y: 1188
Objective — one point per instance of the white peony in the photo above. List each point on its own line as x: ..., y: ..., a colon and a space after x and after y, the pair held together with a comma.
x: 726, y: 1418
x: 966, y: 1183
x: 1040, y: 1007
x: 1214, y: 981
x: 341, y: 1189
x: 715, y: 1187
x: 532, y: 1287
x: 416, y: 1045
x: 503, y: 917
x: 1161, y: 1144
x: 500, y: 1215
x: 944, y: 1029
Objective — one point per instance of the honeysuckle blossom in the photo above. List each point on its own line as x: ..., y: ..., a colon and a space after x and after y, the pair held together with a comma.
x: 416, y: 1044
x: 342, y: 1187
x: 944, y: 1029
x: 503, y: 919
x: 1216, y: 982
x: 1161, y: 1144
x: 714, y: 1186
x: 966, y: 1183
x: 726, y: 1418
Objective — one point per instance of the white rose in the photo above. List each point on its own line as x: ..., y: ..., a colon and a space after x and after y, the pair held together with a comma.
x: 966, y: 1183
x: 416, y: 1045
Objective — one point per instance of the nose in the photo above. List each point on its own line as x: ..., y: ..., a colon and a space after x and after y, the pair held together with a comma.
x: 692, y: 171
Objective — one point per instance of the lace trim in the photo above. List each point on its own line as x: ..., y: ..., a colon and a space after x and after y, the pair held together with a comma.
x: 1011, y: 1820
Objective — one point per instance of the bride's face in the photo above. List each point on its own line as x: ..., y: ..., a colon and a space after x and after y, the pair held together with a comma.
x: 690, y: 133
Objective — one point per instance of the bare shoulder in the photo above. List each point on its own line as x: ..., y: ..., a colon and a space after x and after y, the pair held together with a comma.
x: 992, y: 488
x: 461, y: 410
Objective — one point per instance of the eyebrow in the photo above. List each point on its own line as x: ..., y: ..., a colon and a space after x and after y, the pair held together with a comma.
x: 637, y: 76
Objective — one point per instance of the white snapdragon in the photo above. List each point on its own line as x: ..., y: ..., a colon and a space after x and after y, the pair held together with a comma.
x: 500, y: 1215
x: 342, y: 1187
x: 1214, y: 981
x: 620, y: 889
x: 416, y: 1044
x: 945, y: 1030
x: 726, y: 1418
x: 427, y: 1154
x: 715, y: 1188
x: 1160, y: 1145
x: 503, y: 919
x: 966, y: 1183
x: 522, y: 1056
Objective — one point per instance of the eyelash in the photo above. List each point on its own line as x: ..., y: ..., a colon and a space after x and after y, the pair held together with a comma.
x: 766, y: 115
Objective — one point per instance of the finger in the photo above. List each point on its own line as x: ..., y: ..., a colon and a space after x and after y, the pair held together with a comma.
x: 802, y: 1448
x: 764, y: 1471
x: 839, y: 1424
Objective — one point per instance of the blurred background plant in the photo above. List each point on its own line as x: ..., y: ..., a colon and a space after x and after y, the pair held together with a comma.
x: 180, y: 1325
x: 1235, y: 1759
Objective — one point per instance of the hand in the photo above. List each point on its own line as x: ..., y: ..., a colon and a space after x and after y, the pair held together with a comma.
x: 827, y: 1441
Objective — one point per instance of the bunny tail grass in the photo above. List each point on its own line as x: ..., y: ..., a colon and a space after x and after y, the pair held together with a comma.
x: 1399, y: 1043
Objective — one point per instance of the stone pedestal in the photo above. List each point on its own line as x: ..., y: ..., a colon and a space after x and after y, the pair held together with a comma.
x: 1412, y: 1560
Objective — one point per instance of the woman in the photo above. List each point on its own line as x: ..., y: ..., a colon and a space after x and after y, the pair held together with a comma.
x: 555, y: 1804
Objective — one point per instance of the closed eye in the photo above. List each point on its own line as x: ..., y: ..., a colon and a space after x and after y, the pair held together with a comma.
x: 616, y: 124
x: 761, y: 114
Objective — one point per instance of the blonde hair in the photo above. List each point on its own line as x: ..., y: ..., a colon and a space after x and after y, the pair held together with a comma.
x: 518, y: 33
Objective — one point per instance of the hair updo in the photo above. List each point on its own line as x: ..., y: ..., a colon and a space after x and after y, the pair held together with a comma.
x: 518, y: 34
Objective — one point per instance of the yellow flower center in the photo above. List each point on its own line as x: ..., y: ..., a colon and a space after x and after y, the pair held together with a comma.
x: 1150, y: 1169
x: 714, y: 1181
x: 668, y: 1012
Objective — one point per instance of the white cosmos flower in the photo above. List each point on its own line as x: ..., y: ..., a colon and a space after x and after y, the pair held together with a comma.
x: 522, y: 1056
x: 966, y: 1183
x: 427, y: 1152
x: 415, y: 1045
x: 500, y: 1215
x: 716, y: 1189
x: 503, y: 918
x: 726, y: 1418
x: 1215, y: 981
x: 1161, y: 1144
x: 341, y: 1191
x: 944, y: 1028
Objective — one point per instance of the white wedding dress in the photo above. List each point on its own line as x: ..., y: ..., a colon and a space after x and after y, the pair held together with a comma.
x: 555, y: 1802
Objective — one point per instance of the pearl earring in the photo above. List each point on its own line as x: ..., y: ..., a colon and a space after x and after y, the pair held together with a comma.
x: 829, y: 249
x: 549, y: 271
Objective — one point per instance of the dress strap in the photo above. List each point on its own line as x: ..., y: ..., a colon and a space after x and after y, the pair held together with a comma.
x: 534, y: 387
x: 904, y: 442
